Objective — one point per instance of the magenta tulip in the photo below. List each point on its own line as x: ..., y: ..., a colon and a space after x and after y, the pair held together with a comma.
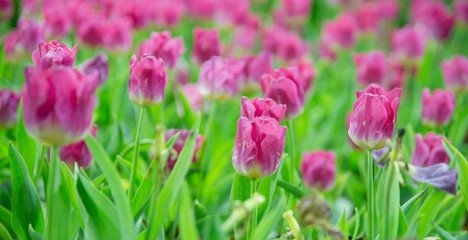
x: 255, y: 67
x: 25, y: 38
x: 437, y: 109
x: 53, y: 54
x: 206, y: 43
x: 461, y: 11
x: 57, y: 19
x: 117, y: 34
x: 148, y: 80
x: 180, y: 143
x: 284, y: 85
x: 371, y: 67
x: 318, y: 169
x: 260, y: 139
x: 8, y: 108
x: 455, y: 73
x: 307, y: 73
x: 374, y: 116
x: 429, y: 151
x: 408, y: 43
x: 341, y: 33
x: 58, y: 104
x: 161, y: 45
x: 193, y: 96
x: 98, y: 64
x: 287, y: 45
x: 90, y: 31
x: 6, y: 10
x: 217, y: 78
x: 433, y: 17
x: 77, y: 153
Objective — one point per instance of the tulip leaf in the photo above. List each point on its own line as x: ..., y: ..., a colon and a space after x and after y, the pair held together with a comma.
x: 270, y: 219
x: 5, y: 217
x: 444, y: 235
x: 240, y: 190
x: 25, y: 144
x: 402, y: 224
x: 172, y: 186
x: 122, y: 205
x: 295, y: 191
x: 100, y: 211
x: 26, y: 206
x: 343, y: 224
x: 388, y: 203
x: 461, y: 165
x: 4, y: 234
x: 34, y: 235
x: 188, y: 227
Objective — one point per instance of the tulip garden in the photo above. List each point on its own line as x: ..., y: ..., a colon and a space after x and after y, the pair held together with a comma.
x: 233, y: 119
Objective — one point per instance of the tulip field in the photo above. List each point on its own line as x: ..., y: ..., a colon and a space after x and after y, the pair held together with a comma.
x: 233, y: 119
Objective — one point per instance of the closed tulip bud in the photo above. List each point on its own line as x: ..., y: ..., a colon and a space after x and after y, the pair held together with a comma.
x: 408, y: 44
x: 260, y: 139
x: 57, y: 19
x: 180, y: 143
x: 455, y: 73
x: 284, y: 85
x: 202, y: 8
x: 161, y: 45
x: 318, y: 169
x: 97, y: 64
x: 371, y: 67
x: 437, y: 109
x: 217, y: 78
x: 368, y: 17
x: 429, y: 151
x: 58, y: 104
x: 341, y: 33
x: 461, y: 11
x: 206, y: 43
x: 255, y: 67
x: 8, y: 108
x: 374, y: 116
x: 433, y: 17
x: 117, y: 34
x: 307, y: 73
x: 285, y: 44
x: 6, y: 10
x: 77, y: 153
x: 148, y: 80
x: 90, y: 31
x: 53, y: 54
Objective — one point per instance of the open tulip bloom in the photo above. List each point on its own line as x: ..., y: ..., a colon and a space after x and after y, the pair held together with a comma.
x: 233, y: 119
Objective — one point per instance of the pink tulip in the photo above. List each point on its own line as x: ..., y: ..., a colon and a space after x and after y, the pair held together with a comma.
x: 138, y: 12
x: 434, y: 17
x: 161, y: 45
x: 286, y: 45
x: 326, y: 51
x: 97, y: 64
x: 461, y: 11
x: 180, y: 143
x: 374, y: 116
x: 77, y: 153
x: 57, y: 19
x: 371, y: 67
x: 217, y: 78
x: 193, y: 96
x: 408, y: 43
x: 245, y: 37
x: 58, y: 104
x: 429, y: 151
x: 117, y: 34
x: 368, y: 17
x: 284, y: 85
x: 90, y: 31
x: 53, y: 54
x: 201, y: 8
x: 307, y: 73
x: 8, y: 108
x: 260, y: 139
x: 437, y: 109
x: 255, y: 67
x: 6, y: 10
x: 388, y: 9
x: 297, y: 8
x: 168, y: 13
x: 25, y: 38
x: 206, y: 44
x: 341, y: 33
x: 318, y: 169
x: 396, y: 75
x: 232, y: 11
x: 148, y: 80
x: 455, y: 73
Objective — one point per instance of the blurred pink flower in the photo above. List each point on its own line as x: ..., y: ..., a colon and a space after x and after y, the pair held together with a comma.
x: 168, y: 12
x: 286, y: 45
x: 455, y: 73
x: 148, y: 80
x: 371, y: 67
x: 97, y: 64
x: 77, y: 153
x: 25, y: 38
x: 318, y: 169
x: 206, y: 43
x: 117, y: 34
x: 408, y: 44
x: 180, y: 143
x: 429, y: 151
x: 437, y: 109
x: 307, y: 73
x: 340, y: 33
x: 217, y: 78
x: 201, y: 8
x: 8, y: 108
x: 461, y: 10
x: 434, y: 17
x: 162, y: 45
x: 255, y: 67
x: 52, y: 54
x: 6, y: 10
x: 193, y: 96
x: 57, y: 19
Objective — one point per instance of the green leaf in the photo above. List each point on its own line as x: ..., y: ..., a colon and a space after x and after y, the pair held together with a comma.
x: 4, y: 234
x: 240, y: 190
x: 343, y: 224
x: 295, y: 191
x: 402, y: 224
x: 25, y: 144
x: 101, y: 212
x: 122, y: 205
x: 408, y: 205
x: 356, y: 221
x: 187, y: 227
x: 270, y: 220
x: 444, y: 235
x: 462, y: 168
x: 5, y: 217
x: 26, y: 207
x: 34, y: 235
x: 171, y: 188
x: 388, y: 203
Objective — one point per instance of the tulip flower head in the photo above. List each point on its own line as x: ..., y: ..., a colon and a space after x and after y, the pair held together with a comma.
x: 307, y: 73
x: 180, y: 143
x: 77, y: 153
x: 374, y: 115
x: 429, y: 151
x: 260, y: 139
x: 52, y: 54
x: 255, y: 67
x: 371, y: 67
x: 408, y: 44
x: 206, y: 43
x: 318, y: 169
x: 148, y: 80
x: 455, y: 73
x: 8, y: 108
x: 217, y: 78
x: 433, y: 17
x: 461, y: 11
x: 57, y: 19
x: 6, y: 10
x: 58, y: 104
x: 284, y: 85
x: 99, y: 64
x: 437, y: 108
x: 341, y: 33
x: 161, y: 45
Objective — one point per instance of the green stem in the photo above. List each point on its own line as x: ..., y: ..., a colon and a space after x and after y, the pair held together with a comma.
x: 253, y: 216
x: 136, y: 153
x: 370, y: 195
x: 292, y: 153
x: 52, y: 179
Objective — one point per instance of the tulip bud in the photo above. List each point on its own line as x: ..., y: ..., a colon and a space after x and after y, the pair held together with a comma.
x: 217, y: 78
x: 455, y: 73
x: 285, y: 44
x: 117, y: 34
x: 374, y: 116
x: 8, y: 108
x: 371, y: 67
x: 433, y: 17
x: 148, y: 79
x: 258, y: 65
x: 202, y: 8
x: 58, y: 20
x: 52, y: 54
x: 161, y: 45
x: 206, y: 44
x: 90, y: 31
x: 408, y: 44
x: 285, y: 87
x: 318, y: 169
x: 58, y: 104
x: 24, y: 39
x: 429, y: 151
x: 341, y: 33
x: 461, y: 11
x: 180, y: 143
x: 368, y: 17
x: 6, y: 10
x: 98, y: 64
x: 437, y: 109
x: 307, y: 73
x: 260, y: 139
x: 77, y: 153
